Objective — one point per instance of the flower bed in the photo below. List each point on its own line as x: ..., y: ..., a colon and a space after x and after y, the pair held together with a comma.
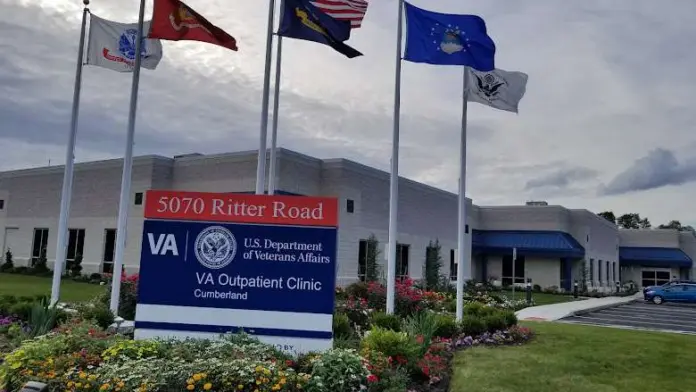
x: 410, y: 350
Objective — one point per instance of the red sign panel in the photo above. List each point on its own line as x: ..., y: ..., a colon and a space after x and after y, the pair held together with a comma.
x: 241, y: 208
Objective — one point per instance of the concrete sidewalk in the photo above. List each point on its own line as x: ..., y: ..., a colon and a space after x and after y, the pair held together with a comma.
x: 558, y: 311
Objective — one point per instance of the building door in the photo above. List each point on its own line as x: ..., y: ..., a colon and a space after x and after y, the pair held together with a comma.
x: 9, y: 241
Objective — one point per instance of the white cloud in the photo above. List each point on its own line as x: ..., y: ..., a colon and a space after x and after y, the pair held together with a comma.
x: 609, y: 82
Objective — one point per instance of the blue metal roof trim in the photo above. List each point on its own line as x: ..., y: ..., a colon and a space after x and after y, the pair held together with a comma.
x: 654, y: 257
x: 527, y: 242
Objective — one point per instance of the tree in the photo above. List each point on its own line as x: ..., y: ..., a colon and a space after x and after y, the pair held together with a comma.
x: 41, y: 264
x: 371, y: 259
x: 433, y: 265
x: 9, y: 262
x: 608, y: 215
x: 676, y: 225
x: 633, y: 221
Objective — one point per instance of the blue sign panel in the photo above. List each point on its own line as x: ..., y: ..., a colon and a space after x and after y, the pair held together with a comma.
x: 240, y: 266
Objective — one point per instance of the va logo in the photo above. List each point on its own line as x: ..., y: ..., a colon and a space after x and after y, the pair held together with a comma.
x: 165, y: 243
x: 126, y: 44
x: 215, y: 247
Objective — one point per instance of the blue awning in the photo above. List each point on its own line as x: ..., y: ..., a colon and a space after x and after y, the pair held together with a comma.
x: 654, y: 257
x: 528, y: 242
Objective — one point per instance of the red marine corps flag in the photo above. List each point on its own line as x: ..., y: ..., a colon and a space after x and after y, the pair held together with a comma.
x: 173, y: 20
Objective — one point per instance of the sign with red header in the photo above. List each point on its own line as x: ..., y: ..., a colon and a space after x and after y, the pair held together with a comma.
x: 217, y: 263
x: 241, y: 208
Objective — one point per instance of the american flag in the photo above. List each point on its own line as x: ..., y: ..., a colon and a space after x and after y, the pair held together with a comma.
x: 352, y: 10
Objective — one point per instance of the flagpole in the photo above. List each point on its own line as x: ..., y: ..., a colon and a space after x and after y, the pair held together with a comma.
x: 66, y: 193
x: 394, y: 175
x: 124, y: 201
x: 263, y: 133
x: 274, y: 126
x: 461, y: 217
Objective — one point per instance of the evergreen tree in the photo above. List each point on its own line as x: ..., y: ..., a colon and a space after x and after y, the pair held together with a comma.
x: 371, y: 259
x: 433, y: 265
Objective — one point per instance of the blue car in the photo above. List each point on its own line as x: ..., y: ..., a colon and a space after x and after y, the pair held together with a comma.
x: 681, y: 292
x: 671, y: 283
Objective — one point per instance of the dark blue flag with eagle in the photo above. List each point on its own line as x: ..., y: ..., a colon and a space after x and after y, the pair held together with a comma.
x: 302, y: 20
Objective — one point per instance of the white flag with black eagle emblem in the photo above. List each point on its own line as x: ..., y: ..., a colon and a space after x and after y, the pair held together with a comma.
x: 498, y: 89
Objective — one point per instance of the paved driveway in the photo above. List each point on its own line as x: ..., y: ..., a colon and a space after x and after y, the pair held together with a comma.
x: 667, y: 317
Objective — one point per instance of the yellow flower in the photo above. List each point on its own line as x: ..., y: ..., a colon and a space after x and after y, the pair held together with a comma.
x: 266, y: 371
x: 190, y: 381
x: 197, y: 377
x: 240, y: 387
x: 207, y: 386
x: 104, y: 387
x: 190, y: 387
x: 275, y: 387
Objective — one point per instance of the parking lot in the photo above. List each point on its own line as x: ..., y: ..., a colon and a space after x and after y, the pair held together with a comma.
x: 668, y: 317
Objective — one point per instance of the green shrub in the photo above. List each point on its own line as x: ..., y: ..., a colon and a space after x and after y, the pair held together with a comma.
x: 21, y: 310
x: 475, y: 309
x: 387, y: 321
x: 451, y: 305
x: 510, y: 318
x: 423, y: 325
x: 472, y: 325
x: 97, y: 312
x: 446, y: 326
x: 392, y: 343
x: 341, y: 326
x: 341, y: 368
x: 42, y: 318
x: 495, y: 322
x: 358, y: 290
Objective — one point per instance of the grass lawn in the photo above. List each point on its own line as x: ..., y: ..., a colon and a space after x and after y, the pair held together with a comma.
x: 540, y: 298
x: 576, y: 358
x: 70, y: 291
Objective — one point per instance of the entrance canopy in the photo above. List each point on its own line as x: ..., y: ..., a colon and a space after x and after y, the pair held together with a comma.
x: 553, y: 244
x: 653, y: 257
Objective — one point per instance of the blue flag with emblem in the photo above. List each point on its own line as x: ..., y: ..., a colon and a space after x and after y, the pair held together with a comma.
x: 302, y: 20
x: 448, y: 39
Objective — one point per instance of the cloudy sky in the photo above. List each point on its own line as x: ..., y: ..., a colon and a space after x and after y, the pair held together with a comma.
x: 607, y: 122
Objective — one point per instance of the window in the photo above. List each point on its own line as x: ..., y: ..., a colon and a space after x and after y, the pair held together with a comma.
x: 350, y: 206
x: 2, y: 204
x: 508, y: 270
x: 109, y: 248
x: 592, y: 270
x: 76, y: 243
x: 466, y: 229
x: 453, y: 265
x: 38, y: 247
x: 402, y: 261
x: 138, y: 198
x: 654, y: 277
x: 366, y: 249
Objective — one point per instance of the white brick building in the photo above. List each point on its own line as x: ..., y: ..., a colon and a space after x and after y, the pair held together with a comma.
x: 554, y: 244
